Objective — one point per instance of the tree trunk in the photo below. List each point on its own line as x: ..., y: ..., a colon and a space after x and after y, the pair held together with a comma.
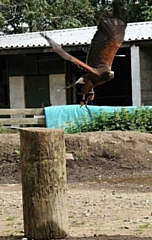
x: 44, y: 183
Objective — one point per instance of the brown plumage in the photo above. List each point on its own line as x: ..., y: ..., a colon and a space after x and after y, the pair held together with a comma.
x: 104, y: 45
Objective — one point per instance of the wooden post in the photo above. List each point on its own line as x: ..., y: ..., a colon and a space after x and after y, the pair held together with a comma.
x: 44, y: 183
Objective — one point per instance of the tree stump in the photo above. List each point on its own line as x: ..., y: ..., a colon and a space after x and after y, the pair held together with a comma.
x: 44, y: 183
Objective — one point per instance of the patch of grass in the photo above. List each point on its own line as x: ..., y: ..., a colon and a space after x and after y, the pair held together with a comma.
x: 77, y: 156
x: 82, y: 222
x: 121, y: 227
x: 91, y: 167
x: 10, y: 224
x: 19, y: 223
x: 8, y: 231
x: 16, y: 151
x: 142, y: 227
x: 18, y: 231
x: 71, y: 216
x: 10, y: 218
x: 7, y: 130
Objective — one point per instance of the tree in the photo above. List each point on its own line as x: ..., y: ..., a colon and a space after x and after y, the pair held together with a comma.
x: 139, y: 11
x: 147, y: 11
x: 11, y: 18
x: 17, y: 16
x: 40, y: 15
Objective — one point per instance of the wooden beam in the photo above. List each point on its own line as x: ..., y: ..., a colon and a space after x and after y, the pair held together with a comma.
x: 22, y: 121
x: 26, y: 111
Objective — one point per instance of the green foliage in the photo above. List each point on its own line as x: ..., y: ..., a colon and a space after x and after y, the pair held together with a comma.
x: 139, y: 119
x: 40, y: 15
x: 18, y: 16
x: 139, y: 11
x: 147, y: 11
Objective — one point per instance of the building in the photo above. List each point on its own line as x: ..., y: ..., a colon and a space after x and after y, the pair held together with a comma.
x: 30, y: 73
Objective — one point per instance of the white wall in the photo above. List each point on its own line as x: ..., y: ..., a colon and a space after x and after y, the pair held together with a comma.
x: 57, y: 81
x: 16, y: 88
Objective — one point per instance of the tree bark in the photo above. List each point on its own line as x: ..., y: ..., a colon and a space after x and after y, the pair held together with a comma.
x: 44, y: 183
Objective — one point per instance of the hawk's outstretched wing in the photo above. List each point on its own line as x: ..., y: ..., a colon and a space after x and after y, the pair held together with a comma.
x: 57, y: 48
x: 108, y: 38
x: 105, y: 43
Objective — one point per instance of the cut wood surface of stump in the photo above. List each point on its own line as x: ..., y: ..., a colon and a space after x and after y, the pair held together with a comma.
x: 44, y: 183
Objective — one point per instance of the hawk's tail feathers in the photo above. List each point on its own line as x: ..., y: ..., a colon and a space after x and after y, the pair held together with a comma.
x: 80, y: 80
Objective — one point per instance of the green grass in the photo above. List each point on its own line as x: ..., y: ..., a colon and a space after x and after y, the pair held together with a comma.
x: 77, y: 156
x: 18, y: 231
x: 19, y: 223
x: 91, y: 167
x: 10, y: 218
x: 10, y: 223
x: 7, y: 130
x: 82, y: 222
x: 8, y: 231
x: 142, y: 228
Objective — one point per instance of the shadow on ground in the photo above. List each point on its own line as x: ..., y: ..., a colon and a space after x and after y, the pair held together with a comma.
x: 101, y: 237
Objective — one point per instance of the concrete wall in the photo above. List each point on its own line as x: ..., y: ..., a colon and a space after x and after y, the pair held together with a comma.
x: 16, y: 89
x: 17, y: 95
x: 135, y: 74
x: 146, y: 75
x: 57, y: 81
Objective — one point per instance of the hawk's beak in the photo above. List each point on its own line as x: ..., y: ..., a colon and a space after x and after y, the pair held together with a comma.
x: 111, y: 74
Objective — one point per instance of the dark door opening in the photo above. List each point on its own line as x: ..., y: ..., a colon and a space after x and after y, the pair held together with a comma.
x: 4, y: 89
x: 117, y: 92
x: 37, y: 91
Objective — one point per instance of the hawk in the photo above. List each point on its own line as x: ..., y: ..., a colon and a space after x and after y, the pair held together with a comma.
x: 104, y: 45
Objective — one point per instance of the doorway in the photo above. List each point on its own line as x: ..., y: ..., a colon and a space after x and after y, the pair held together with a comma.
x: 37, y: 91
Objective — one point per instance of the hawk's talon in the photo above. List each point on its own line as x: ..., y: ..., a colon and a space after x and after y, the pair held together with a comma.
x: 82, y: 103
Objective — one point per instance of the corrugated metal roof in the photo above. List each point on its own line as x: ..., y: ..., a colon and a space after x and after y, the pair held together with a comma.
x: 77, y: 36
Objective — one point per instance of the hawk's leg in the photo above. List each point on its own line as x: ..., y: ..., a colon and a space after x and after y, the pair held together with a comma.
x: 83, y: 101
x: 90, y: 97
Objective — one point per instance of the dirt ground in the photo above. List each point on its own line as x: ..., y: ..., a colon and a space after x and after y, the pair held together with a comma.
x: 109, y: 186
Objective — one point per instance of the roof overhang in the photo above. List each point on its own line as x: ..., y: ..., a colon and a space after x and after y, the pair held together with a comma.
x: 71, y: 39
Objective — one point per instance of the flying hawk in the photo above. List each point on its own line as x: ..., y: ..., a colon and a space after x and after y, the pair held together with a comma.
x: 104, y: 45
